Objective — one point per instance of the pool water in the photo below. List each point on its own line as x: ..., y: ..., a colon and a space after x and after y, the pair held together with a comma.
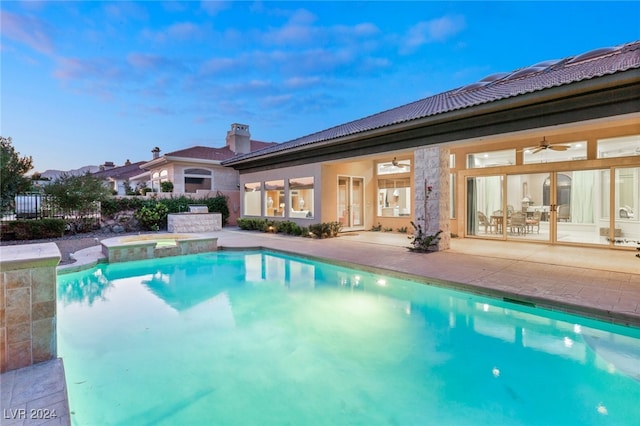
x: 259, y: 338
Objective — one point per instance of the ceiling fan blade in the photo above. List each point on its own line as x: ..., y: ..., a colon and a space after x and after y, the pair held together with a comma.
x: 538, y: 149
x: 559, y: 147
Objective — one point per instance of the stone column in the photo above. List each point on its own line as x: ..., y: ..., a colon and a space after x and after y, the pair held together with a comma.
x: 27, y: 304
x: 431, y: 170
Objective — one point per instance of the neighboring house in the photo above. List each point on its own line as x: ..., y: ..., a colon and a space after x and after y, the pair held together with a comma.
x: 119, y: 177
x: 549, y: 152
x: 197, y: 171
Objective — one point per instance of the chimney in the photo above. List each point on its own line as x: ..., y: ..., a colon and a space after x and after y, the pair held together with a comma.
x: 127, y: 163
x: 239, y: 138
x: 107, y: 165
x: 156, y: 152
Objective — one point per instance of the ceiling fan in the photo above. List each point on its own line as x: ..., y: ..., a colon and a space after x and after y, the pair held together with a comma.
x: 544, y: 144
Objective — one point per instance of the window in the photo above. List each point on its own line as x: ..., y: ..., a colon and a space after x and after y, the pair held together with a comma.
x: 572, y: 151
x: 252, y: 196
x: 301, y: 197
x: 619, y: 147
x: 157, y: 178
x: 195, y: 179
x: 481, y: 160
x: 274, y: 198
x: 394, y: 166
x: 394, y: 197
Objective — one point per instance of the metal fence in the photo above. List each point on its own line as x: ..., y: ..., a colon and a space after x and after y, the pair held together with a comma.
x: 39, y: 206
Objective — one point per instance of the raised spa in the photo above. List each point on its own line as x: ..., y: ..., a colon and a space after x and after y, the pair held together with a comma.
x: 151, y: 246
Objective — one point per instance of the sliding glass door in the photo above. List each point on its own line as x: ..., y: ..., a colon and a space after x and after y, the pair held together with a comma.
x: 626, y: 206
x: 572, y: 207
x: 579, y: 216
x: 528, y: 207
x: 485, y: 215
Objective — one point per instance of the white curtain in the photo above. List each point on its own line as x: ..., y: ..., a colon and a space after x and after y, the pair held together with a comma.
x: 490, y: 192
x: 582, y: 197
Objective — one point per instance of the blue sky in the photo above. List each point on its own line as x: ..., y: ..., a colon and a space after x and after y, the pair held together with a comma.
x: 87, y: 82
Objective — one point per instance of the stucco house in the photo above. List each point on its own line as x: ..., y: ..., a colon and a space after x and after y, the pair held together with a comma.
x: 119, y: 177
x: 197, y: 171
x: 549, y: 152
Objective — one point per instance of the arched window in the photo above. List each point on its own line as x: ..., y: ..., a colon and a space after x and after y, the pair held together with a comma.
x: 157, y: 177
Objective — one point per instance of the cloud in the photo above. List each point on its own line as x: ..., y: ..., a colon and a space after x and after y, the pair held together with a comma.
x: 125, y: 11
x: 302, y: 82
x: 213, y: 7
x: 155, y: 63
x: 435, y: 30
x: 27, y: 30
x: 180, y: 31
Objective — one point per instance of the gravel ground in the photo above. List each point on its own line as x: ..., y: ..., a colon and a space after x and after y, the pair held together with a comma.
x: 71, y: 243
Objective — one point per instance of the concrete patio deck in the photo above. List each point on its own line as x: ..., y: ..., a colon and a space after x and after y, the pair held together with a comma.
x: 598, y: 283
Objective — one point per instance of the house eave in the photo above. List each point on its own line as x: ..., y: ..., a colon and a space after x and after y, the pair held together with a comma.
x: 605, y: 96
x: 155, y: 163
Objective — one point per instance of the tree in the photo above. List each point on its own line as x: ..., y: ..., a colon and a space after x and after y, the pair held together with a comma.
x: 79, y: 193
x: 12, y: 171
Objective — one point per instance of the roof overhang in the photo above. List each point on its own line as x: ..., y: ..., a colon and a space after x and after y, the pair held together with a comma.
x: 607, y: 96
x: 166, y: 159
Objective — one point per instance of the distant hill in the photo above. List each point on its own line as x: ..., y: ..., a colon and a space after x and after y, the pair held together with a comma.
x: 53, y: 174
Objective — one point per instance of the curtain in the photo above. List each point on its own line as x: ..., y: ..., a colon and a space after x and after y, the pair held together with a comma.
x: 472, y: 207
x: 582, y: 197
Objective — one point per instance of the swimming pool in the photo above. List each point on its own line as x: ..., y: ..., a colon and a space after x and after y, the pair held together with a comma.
x: 250, y: 337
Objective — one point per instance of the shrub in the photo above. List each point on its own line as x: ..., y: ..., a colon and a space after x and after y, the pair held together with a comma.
x: 153, y: 218
x: 217, y: 204
x: 325, y: 229
x: 288, y: 227
x: 112, y: 206
x: 318, y: 230
x: 250, y: 224
x: 421, y: 241
x: 32, y: 229
x: 166, y: 186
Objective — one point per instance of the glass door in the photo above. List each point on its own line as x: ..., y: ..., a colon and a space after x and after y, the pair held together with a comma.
x: 576, y: 205
x: 528, y: 207
x: 626, y: 206
x: 351, y: 202
x: 485, y: 212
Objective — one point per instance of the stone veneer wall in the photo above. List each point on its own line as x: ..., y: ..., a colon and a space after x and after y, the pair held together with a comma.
x: 432, y: 169
x: 147, y: 248
x: 194, y: 222
x: 27, y: 304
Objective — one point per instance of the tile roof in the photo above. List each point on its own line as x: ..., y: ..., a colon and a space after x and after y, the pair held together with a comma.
x: 538, y: 77
x: 208, y: 153
x: 122, y: 172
